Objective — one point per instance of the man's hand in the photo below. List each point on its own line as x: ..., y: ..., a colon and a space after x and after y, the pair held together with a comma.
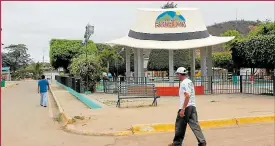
x: 181, y: 113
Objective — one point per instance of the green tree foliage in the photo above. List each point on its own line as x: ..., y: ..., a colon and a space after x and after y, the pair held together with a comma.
x: 159, y: 59
x: 220, y: 59
x: 264, y: 28
x: 36, y: 69
x: 87, y: 67
x: 114, y: 58
x: 33, y: 70
x: 63, y: 51
x: 256, y: 52
x: 231, y: 33
x: 109, y: 55
x: 169, y: 5
x: 20, y: 73
x: 16, y: 57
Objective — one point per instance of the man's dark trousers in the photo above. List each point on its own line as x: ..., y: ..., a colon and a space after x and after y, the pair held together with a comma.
x: 190, y: 117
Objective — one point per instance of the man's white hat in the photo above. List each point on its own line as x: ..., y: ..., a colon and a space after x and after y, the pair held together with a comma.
x: 179, y: 28
x: 181, y: 70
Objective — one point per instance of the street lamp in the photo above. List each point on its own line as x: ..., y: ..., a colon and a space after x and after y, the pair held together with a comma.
x: 89, y: 31
x: 116, y: 61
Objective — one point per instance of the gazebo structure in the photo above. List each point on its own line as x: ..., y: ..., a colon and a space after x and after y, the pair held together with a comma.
x: 171, y: 29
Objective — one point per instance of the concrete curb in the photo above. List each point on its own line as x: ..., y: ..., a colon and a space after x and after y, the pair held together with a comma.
x: 158, y: 127
x: 170, y: 127
x: 64, y: 117
x: 71, y: 129
x: 85, y: 100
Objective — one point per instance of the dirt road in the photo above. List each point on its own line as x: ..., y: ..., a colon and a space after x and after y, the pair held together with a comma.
x: 25, y: 122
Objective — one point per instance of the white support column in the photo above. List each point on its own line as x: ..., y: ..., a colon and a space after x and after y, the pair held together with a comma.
x: 193, y: 62
x: 171, y: 67
x: 209, y: 67
x: 139, y: 62
x: 203, y: 61
x: 128, y: 66
x: 203, y: 67
x: 141, y: 69
x: 209, y: 61
x: 135, y: 63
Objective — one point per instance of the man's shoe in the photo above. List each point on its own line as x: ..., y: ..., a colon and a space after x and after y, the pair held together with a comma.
x: 202, y: 144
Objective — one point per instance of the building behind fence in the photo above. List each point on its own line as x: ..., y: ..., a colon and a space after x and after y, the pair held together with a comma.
x: 223, y: 84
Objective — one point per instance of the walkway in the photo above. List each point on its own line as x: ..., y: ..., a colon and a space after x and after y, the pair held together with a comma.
x: 24, y: 122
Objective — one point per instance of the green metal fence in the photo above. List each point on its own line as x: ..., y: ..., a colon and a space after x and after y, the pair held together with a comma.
x: 224, y: 84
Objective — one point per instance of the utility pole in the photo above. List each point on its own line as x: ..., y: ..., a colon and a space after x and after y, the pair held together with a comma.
x: 43, y: 55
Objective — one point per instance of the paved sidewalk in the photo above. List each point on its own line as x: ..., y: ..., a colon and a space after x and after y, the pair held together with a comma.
x: 111, y: 119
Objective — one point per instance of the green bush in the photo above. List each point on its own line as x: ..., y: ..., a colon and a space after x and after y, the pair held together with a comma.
x: 87, y: 67
x: 63, y: 51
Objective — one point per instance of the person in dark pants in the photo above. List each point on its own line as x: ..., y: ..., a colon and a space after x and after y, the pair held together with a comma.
x: 187, y: 113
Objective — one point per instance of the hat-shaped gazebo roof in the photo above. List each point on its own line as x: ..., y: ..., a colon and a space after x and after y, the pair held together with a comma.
x: 179, y: 28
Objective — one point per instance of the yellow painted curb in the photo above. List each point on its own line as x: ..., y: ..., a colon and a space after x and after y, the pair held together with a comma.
x: 170, y: 127
x: 258, y: 119
x: 71, y: 129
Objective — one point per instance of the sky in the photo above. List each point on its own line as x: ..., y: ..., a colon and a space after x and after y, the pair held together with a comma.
x: 36, y: 23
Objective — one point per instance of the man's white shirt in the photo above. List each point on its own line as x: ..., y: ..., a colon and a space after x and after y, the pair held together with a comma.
x: 187, y: 86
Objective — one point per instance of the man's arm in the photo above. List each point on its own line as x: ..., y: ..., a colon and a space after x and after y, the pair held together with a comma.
x: 187, y: 97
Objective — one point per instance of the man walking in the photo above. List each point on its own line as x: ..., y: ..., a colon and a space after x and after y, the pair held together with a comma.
x: 43, y: 87
x: 187, y: 111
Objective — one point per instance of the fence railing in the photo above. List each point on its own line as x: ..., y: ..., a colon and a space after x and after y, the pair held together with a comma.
x: 74, y: 83
x: 224, y: 84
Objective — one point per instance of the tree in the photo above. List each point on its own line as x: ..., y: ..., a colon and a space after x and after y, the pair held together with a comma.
x: 256, y: 52
x: 159, y: 60
x: 114, y: 58
x: 16, y: 57
x: 264, y: 28
x: 63, y: 51
x: 231, y: 33
x: 108, y: 54
x: 36, y: 69
x: 84, y: 68
x: 169, y: 5
x: 219, y: 59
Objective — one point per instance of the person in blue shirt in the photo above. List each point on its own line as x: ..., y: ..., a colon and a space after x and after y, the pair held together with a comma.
x: 43, y: 87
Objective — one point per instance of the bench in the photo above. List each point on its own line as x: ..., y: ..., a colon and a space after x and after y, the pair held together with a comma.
x: 131, y: 91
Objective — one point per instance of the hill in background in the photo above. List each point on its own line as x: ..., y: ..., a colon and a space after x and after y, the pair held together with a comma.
x: 217, y: 29
x: 241, y: 25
